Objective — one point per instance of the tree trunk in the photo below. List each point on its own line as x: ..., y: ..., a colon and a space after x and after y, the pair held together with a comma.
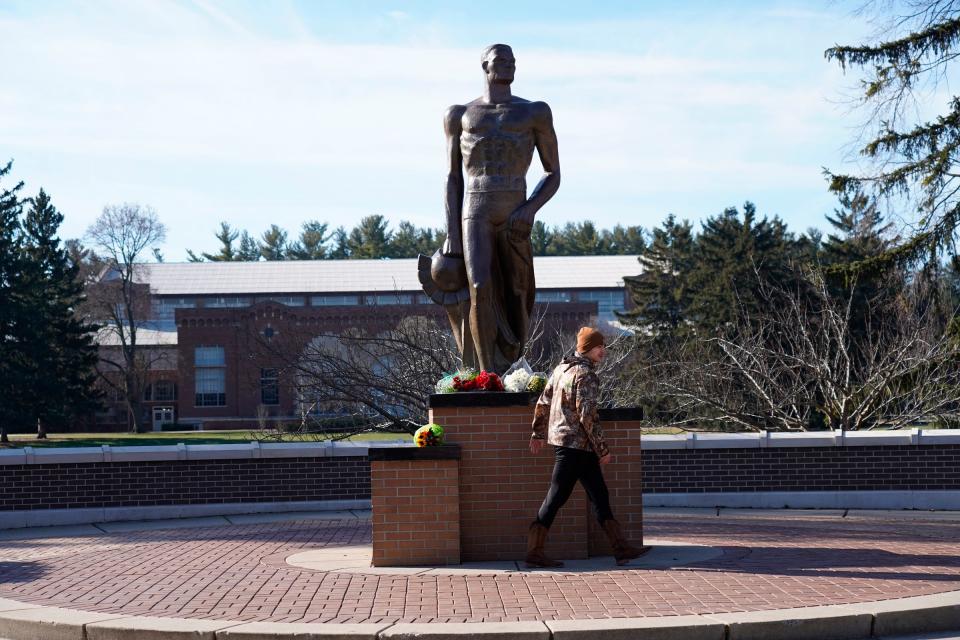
x: 136, y: 416
x: 41, y: 430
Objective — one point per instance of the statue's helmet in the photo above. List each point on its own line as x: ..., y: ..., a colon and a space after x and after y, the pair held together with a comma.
x: 448, y: 272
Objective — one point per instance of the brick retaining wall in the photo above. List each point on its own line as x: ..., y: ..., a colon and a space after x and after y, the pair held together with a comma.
x: 850, y: 468
x: 305, y: 476
x: 176, y: 482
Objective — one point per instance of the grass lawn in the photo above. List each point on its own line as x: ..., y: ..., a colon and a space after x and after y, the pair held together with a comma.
x: 162, y: 437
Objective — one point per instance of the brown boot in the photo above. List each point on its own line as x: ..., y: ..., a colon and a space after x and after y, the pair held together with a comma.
x: 536, y: 538
x: 623, y: 551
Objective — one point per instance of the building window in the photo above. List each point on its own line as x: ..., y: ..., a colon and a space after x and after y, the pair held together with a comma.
x: 164, y: 309
x: 553, y: 296
x: 290, y: 301
x: 607, y: 301
x: 210, y: 377
x: 161, y: 391
x: 333, y: 301
x: 387, y: 298
x: 226, y: 301
x: 269, y: 387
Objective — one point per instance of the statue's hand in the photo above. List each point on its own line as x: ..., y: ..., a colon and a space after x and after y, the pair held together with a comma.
x: 521, y: 221
x: 452, y: 247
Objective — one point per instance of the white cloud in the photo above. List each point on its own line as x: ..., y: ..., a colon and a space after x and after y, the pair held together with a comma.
x: 166, y: 102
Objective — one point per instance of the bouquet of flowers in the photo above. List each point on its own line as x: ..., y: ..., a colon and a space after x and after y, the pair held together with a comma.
x: 429, y: 435
x: 469, y: 380
x: 536, y: 383
x: 477, y: 381
x: 517, y: 381
x: 445, y: 384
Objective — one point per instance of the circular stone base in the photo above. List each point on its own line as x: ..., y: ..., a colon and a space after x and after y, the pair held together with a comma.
x: 664, y: 554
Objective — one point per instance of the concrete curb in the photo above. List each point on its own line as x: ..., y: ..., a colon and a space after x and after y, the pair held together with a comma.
x: 921, y: 614
x: 815, y: 623
x: 938, y: 612
x: 301, y: 631
x: 454, y: 631
x: 664, y: 628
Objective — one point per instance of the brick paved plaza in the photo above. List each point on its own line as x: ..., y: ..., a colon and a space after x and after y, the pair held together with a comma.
x: 238, y: 572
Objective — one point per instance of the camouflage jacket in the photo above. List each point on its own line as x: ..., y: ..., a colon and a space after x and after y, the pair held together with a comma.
x: 566, y: 413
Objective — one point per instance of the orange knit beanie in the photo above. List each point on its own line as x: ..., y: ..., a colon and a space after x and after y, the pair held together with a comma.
x: 588, y: 338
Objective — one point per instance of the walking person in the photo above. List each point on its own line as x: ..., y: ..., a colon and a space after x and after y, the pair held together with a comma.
x: 566, y: 417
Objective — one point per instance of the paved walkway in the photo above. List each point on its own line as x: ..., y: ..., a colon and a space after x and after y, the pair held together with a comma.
x: 758, y: 561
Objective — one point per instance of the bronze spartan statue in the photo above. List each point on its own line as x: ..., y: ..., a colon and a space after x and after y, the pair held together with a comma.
x: 483, y: 275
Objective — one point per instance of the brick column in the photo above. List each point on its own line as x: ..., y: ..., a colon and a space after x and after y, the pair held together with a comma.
x: 502, y: 484
x: 415, y: 502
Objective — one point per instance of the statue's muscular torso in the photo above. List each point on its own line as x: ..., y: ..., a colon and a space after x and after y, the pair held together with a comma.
x: 497, y: 143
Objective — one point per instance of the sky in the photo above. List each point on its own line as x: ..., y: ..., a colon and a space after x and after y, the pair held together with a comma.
x: 280, y: 112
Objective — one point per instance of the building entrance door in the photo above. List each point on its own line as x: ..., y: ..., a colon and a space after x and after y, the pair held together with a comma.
x: 161, y: 415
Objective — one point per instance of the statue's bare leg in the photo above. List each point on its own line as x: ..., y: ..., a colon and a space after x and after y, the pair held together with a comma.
x: 478, y: 241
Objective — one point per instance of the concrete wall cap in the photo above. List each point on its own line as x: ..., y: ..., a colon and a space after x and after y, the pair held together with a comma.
x: 13, y: 456
x: 295, y: 450
x: 60, y: 455
x: 141, y: 454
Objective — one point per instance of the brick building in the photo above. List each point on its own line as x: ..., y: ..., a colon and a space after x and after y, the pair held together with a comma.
x: 204, y: 318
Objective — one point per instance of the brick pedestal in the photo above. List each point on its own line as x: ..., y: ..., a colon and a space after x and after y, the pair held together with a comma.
x: 415, y: 502
x: 502, y: 484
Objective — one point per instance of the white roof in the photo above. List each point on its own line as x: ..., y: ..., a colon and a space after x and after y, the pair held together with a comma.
x: 107, y: 337
x: 341, y: 276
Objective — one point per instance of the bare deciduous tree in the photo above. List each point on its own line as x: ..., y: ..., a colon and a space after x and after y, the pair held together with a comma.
x: 358, y: 380
x: 799, y: 363
x: 119, y: 300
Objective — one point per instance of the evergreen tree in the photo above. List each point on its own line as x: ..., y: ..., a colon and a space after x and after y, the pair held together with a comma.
x: 662, y: 293
x: 312, y: 242
x: 540, y: 238
x: 733, y: 252
x: 62, y: 355
x: 577, y: 239
x: 88, y: 262
x: 249, y: 250
x: 273, y: 243
x: 409, y: 241
x: 623, y: 241
x: 227, y: 237
x: 908, y: 157
x: 370, y: 238
x: 341, y: 245
x: 14, y: 316
x: 860, y: 232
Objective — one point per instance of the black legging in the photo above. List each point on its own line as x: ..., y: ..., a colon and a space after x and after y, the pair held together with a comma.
x: 572, y: 465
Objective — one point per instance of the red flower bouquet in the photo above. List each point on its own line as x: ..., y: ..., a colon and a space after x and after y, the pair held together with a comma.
x: 472, y: 381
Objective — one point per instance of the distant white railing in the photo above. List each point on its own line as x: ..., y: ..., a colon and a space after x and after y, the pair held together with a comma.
x: 777, y: 439
x: 251, y: 450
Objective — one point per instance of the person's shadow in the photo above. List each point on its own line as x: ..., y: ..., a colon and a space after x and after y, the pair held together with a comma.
x: 17, y: 572
x: 861, y: 563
